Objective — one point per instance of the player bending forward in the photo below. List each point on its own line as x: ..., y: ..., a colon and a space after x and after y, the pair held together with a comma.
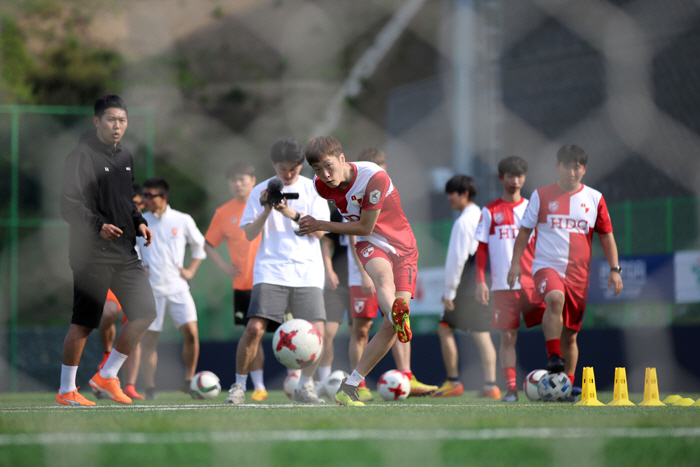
x: 369, y: 202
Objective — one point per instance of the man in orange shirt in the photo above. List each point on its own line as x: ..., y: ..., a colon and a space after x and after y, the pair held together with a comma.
x: 224, y: 226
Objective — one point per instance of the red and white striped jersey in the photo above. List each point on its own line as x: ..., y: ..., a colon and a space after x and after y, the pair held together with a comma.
x: 498, y: 227
x: 371, y: 188
x: 565, y: 225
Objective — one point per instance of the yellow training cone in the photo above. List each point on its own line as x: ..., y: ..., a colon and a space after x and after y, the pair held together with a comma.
x: 651, y: 388
x: 589, y: 396
x: 684, y: 402
x: 697, y: 403
x: 672, y: 399
x: 620, y: 394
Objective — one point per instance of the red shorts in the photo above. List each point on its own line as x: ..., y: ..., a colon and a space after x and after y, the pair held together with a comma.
x: 509, y: 304
x: 113, y: 298
x: 405, y: 267
x: 575, y: 295
x: 361, y: 305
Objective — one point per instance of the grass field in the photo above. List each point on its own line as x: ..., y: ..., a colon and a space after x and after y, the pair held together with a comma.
x: 175, y: 430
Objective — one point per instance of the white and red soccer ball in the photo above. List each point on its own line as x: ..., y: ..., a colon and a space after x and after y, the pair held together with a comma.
x: 291, y: 382
x: 394, y: 386
x: 297, y: 344
x: 205, y: 385
x: 530, y: 384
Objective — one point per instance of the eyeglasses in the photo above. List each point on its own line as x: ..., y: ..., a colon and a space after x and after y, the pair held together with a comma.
x: 151, y: 195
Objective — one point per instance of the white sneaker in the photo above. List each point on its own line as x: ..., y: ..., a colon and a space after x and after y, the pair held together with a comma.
x: 236, y: 395
x: 307, y: 395
x: 320, y: 390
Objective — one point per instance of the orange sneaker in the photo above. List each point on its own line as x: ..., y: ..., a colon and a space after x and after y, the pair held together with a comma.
x: 110, y: 387
x: 399, y: 318
x: 494, y: 393
x: 72, y: 398
x: 130, y: 390
x: 449, y: 390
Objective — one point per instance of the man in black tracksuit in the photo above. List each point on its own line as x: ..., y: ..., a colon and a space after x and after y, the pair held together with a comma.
x: 96, y: 201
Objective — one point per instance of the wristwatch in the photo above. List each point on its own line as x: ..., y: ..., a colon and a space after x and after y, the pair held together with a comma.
x: 297, y: 217
x: 617, y: 269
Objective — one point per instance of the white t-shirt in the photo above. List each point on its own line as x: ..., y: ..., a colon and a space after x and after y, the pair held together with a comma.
x: 462, y: 245
x: 172, y: 232
x: 285, y: 258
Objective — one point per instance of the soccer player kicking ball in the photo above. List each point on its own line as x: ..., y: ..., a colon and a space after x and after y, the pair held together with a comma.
x: 496, y: 233
x: 369, y: 202
x: 566, y: 214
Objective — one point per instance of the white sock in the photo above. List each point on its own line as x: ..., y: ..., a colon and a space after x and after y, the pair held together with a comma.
x: 68, y: 379
x: 324, y: 372
x: 243, y: 379
x: 257, y: 377
x: 355, y: 379
x: 113, y: 364
x: 303, y: 380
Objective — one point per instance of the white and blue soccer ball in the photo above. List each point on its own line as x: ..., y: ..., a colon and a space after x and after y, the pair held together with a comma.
x: 530, y: 384
x: 205, y: 385
x: 554, y: 387
x: 332, y: 383
x: 297, y: 344
x: 394, y: 386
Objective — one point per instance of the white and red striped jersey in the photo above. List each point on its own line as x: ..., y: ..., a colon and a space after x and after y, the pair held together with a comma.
x: 565, y: 225
x: 498, y: 227
x: 371, y: 188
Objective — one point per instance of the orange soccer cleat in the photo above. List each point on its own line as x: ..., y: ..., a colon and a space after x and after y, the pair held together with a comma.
x: 72, y: 398
x: 130, y: 390
x: 110, y: 387
x: 399, y: 319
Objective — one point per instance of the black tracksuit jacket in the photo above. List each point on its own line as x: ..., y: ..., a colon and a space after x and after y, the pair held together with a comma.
x: 97, y: 190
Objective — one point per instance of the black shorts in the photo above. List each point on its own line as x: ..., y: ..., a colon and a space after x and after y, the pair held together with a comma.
x: 337, y: 302
x: 241, y: 302
x: 128, y: 281
x: 468, y: 315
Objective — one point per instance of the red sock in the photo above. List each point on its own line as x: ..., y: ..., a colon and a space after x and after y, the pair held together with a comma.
x: 553, y: 347
x: 571, y: 377
x: 509, y: 376
x: 408, y: 373
x: 105, y: 356
x: 362, y: 384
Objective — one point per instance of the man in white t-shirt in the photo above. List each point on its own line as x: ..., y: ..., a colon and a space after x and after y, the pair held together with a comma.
x: 289, y: 271
x: 164, y: 262
x: 565, y: 214
x: 461, y: 310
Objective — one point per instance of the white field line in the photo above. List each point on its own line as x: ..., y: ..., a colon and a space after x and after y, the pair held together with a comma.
x: 342, y: 435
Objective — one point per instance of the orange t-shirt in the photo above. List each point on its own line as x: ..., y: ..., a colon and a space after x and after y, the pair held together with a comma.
x: 224, y: 226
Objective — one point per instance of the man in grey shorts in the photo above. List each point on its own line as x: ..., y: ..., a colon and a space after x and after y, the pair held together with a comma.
x: 288, y: 272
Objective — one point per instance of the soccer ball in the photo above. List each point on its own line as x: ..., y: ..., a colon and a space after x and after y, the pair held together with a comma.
x: 554, y: 387
x: 205, y: 385
x: 394, y: 386
x: 297, y: 344
x: 291, y: 382
x: 332, y: 383
x: 530, y: 384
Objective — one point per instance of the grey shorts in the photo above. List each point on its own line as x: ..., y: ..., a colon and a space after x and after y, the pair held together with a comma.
x: 468, y: 315
x: 270, y: 301
x: 337, y: 302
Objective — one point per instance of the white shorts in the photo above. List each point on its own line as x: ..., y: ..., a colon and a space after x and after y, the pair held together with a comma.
x: 181, y: 308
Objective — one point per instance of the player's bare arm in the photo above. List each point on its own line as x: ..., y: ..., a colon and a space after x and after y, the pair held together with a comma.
x: 110, y: 232
x: 521, y: 240
x: 188, y: 273
x: 482, y: 293
x: 146, y: 233
x: 607, y: 241
x: 363, y: 227
x: 332, y: 280
x: 284, y: 209
x: 448, y: 304
x: 228, y: 269
x: 253, y: 229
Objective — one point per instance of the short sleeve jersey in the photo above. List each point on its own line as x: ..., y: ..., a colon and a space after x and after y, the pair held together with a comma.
x: 225, y: 226
x: 498, y: 227
x: 565, y: 225
x: 283, y: 257
x: 371, y: 188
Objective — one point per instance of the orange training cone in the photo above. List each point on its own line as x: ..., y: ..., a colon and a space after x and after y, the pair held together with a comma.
x: 651, y: 388
x: 620, y: 394
x: 589, y: 395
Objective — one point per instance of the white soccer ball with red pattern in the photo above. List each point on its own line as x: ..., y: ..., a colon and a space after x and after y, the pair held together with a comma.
x: 530, y: 384
x: 205, y: 385
x: 297, y: 344
x: 394, y: 386
x: 291, y: 382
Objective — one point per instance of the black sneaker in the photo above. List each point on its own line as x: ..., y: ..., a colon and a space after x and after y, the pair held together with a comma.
x: 188, y: 390
x: 555, y: 364
x: 151, y: 394
x: 347, y: 395
x: 511, y: 396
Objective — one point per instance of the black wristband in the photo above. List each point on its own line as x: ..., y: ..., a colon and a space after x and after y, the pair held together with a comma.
x: 297, y: 217
x: 617, y: 269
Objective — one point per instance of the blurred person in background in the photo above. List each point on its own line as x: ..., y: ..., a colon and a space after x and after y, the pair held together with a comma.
x: 498, y: 227
x: 164, y: 262
x: 462, y: 311
x: 289, y: 272
x: 565, y: 214
x: 225, y: 227
x: 364, y: 307
x: 96, y: 201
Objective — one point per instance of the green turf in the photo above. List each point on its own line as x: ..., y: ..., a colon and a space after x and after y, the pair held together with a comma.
x: 457, y: 431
